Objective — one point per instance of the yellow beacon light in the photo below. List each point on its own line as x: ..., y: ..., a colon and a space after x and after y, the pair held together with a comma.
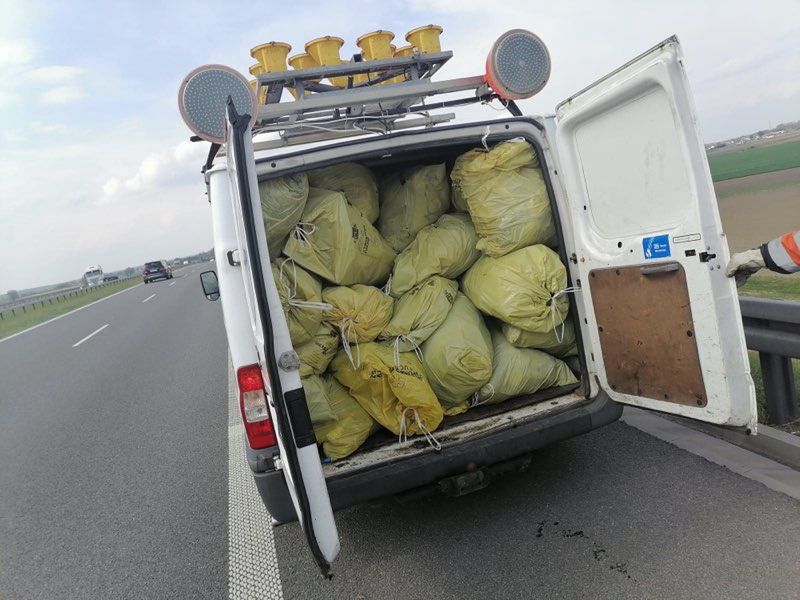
x: 425, y: 39
x: 325, y: 50
x: 299, y: 62
x: 375, y: 45
x: 272, y: 56
x: 402, y: 51
x: 256, y: 70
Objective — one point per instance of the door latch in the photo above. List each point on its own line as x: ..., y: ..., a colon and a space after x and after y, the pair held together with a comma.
x: 707, y: 256
x: 233, y: 257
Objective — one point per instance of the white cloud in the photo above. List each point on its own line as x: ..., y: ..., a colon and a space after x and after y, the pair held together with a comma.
x: 54, y: 74
x: 187, y: 151
x: 47, y: 128
x: 15, y: 52
x: 159, y: 169
x: 111, y: 187
x: 63, y: 94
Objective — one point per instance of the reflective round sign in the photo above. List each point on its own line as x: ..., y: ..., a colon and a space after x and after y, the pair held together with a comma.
x: 518, y: 65
x: 203, y: 97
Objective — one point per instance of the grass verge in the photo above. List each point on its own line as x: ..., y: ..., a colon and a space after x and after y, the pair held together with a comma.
x: 772, y: 285
x: 13, y: 323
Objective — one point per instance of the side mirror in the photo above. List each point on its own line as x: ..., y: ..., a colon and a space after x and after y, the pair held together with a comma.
x: 208, y: 279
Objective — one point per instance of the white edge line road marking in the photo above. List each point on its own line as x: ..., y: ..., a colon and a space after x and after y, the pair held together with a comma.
x: 148, y: 298
x: 91, y: 335
x: 252, y: 561
x: 66, y: 314
x: 171, y: 284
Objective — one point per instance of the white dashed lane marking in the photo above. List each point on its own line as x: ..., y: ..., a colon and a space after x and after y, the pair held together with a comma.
x: 148, y: 298
x: 91, y: 335
x: 252, y: 561
x: 172, y: 283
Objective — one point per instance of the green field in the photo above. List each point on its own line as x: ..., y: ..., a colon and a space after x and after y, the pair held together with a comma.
x: 764, y: 159
x: 33, y: 316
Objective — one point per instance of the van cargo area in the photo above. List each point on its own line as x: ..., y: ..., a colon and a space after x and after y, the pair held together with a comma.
x: 481, y: 421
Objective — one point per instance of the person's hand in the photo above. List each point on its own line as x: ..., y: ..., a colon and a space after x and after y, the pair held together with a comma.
x: 744, y: 264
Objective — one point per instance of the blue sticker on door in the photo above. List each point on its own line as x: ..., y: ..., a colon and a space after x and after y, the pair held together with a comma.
x: 656, y: 246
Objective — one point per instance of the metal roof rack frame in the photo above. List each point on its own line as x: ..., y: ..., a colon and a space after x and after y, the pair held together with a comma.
x: 374, y: 106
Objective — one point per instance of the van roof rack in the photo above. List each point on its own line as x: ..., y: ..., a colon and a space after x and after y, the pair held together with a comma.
x: 377, y: 105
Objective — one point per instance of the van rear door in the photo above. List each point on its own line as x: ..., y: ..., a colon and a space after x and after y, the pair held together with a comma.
x: 299, y: 458
x: 662, y: 320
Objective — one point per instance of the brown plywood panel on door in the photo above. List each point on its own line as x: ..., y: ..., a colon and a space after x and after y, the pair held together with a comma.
x: 646, y: 332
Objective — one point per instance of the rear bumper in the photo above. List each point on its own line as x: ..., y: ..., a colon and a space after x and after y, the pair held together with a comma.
x: 417, y: 471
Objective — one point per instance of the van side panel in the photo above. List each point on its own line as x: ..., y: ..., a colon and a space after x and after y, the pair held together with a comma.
x: 231, y: 285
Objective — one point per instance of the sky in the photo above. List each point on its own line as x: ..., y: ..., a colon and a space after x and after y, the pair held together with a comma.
x: 95, y: 162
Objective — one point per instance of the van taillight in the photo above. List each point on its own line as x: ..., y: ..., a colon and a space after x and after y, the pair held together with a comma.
x: 253, y: 404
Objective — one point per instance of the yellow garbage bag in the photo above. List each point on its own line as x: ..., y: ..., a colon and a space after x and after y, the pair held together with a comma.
x: 360, y: 312
x: 457, y: 358
x: 419, y: 312
x: 282, y: 203
x: 458, y: 202
x: 506, y: 196
x: 355, y: 181
x: 397, y: 397
x: 517, y: 288
x: 317, y: 400
x: 410, y: 200
x: 335, y: 241
x: 316, y: 355
x: 301, y: 299
x: 520, y: 371
x: 445, y: 248
x: 547, y: 341
x: 350, y: 426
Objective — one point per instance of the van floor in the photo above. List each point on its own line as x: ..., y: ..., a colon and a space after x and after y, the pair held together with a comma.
x: 384, y: 446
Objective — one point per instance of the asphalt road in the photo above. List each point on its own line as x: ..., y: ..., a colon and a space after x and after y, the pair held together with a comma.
x: 115, y: 485
x: 114, y: 478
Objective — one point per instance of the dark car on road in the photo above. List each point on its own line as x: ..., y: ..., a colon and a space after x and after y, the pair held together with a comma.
x: 157, y: 269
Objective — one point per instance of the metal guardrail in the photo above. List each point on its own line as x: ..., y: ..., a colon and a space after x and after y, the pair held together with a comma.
x: 772, y: 327
x: 21, y: 306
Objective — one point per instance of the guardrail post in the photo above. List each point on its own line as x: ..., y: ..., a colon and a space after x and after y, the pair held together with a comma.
x: 779, y: 387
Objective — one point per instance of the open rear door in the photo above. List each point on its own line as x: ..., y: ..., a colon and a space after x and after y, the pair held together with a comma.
x: 299, y: 458
x: 662, y: 318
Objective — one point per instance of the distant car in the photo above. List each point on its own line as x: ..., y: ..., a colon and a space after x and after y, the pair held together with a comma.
x: 157, y: 269
x: 186, y: 262
x: 110, y: 278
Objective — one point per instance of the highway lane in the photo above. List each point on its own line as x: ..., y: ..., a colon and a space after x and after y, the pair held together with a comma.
x: 613, y: 514
x: 114, y: 480
x: 115, y: 456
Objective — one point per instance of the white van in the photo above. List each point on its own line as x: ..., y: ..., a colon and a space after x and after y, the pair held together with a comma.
x: 639, y: 231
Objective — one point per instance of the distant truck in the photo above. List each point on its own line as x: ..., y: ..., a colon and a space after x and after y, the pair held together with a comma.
x: 92, y: 276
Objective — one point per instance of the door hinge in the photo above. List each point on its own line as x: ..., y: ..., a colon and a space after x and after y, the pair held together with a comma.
x: 233, y: 257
